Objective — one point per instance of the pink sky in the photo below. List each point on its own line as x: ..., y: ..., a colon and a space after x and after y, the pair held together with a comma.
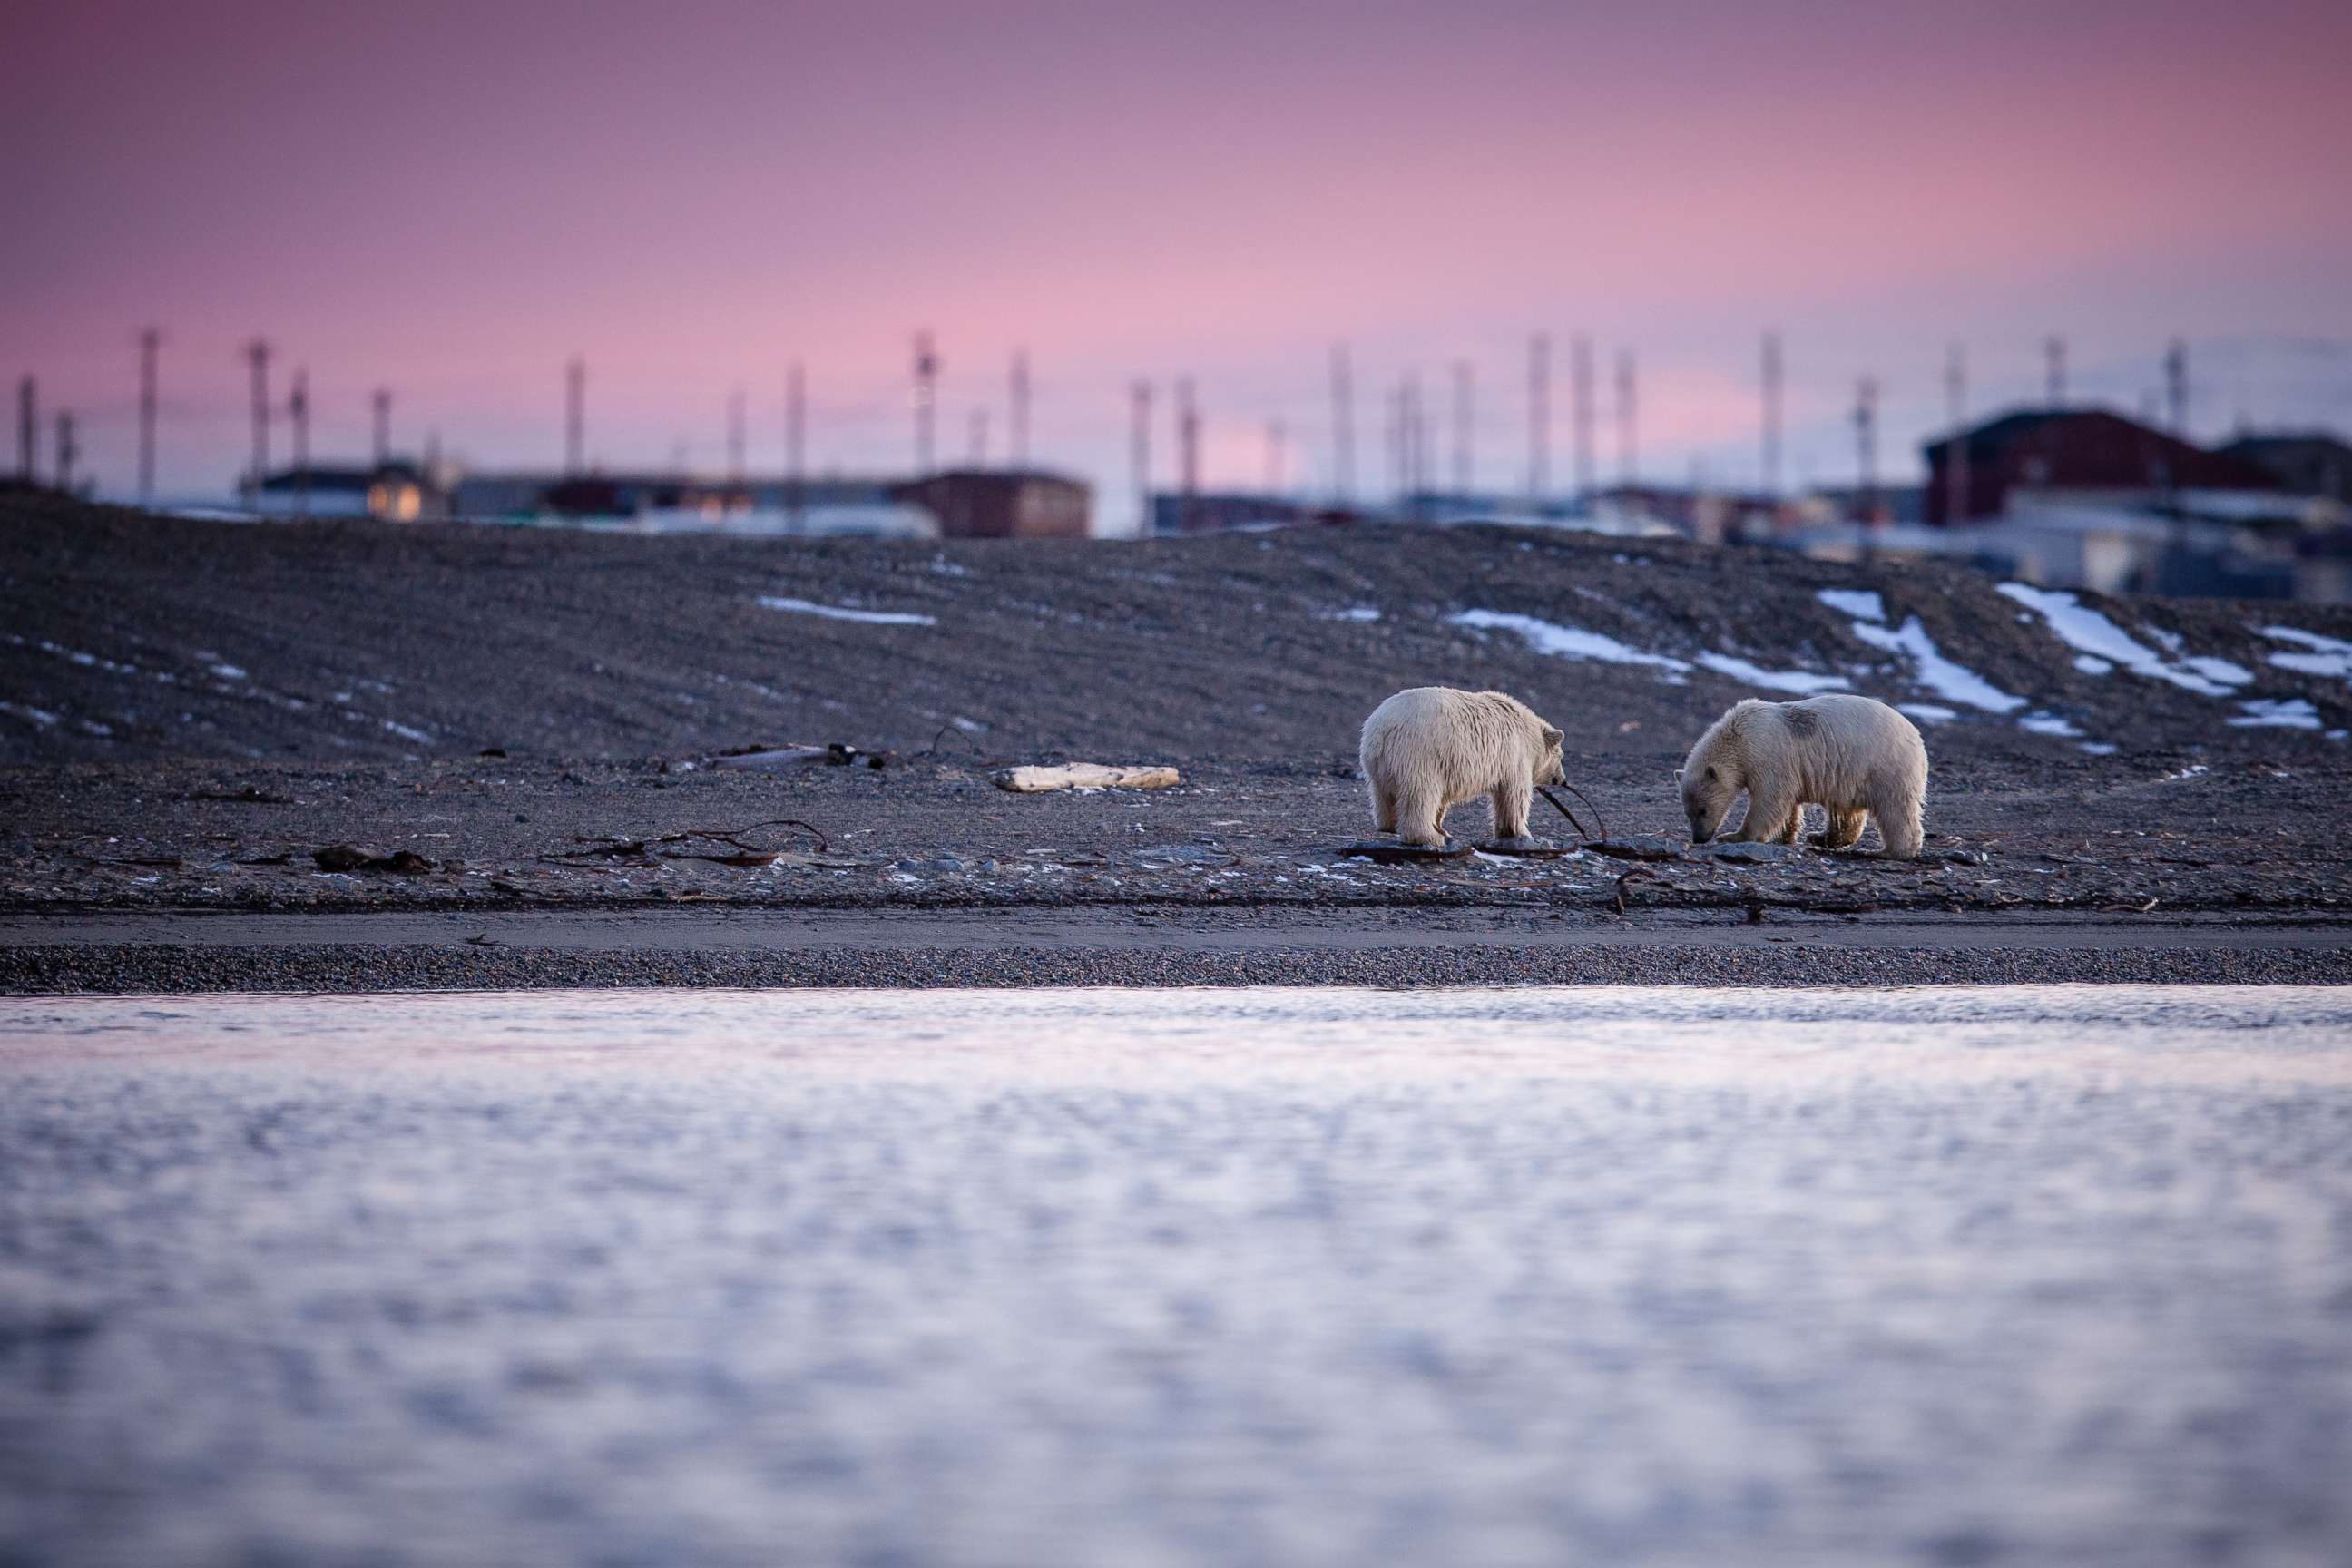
x: 452, y: 199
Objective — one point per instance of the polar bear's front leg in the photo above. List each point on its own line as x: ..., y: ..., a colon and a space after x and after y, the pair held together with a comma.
x: 1768, y: 816
x: 1511, y: 803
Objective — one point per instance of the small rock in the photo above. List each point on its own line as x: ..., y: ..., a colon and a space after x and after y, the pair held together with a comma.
x: 1751, y: 854
x: 1639, y: 846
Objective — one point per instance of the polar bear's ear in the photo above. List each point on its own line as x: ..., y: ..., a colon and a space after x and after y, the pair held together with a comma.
x: 1551, y: 737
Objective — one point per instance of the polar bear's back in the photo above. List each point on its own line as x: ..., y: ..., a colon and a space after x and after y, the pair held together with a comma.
x: 1846, y: 747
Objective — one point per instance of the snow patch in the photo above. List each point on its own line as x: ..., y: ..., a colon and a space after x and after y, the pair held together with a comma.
x: 228, y: 672
x: 2327, y: 655
x: 2280, y: 713
x: 2099, y: 748
x: 842, y: 613
x: 1928, y: 713
x: 404, y: 731
x: 1801, y: 681
x: 1950, y: 681
x: 1355, y: 613
x: 40, y: 718
x: 1568, y: 642
x: 2091, y: 664
x: 1860, y: 603
x: 2088, y: 632
x: 2048, y: 724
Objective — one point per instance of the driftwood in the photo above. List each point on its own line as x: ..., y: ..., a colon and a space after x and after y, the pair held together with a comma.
x: 738, y: 852
x: 1084, y: 775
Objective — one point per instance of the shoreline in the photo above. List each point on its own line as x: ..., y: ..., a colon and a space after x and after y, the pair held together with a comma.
x: 181, y: 952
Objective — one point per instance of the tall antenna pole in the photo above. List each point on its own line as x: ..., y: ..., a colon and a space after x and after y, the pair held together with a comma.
x: 1139, y: 453
x: 2054, y: 350
x: 576, y: 419
x: 2176, y: 388
x: 1466, y: 426
x: 795, y: 443
x: 67, y: 451
x: 1773, y: 414
x: 298, y: 408
x: 926, y: 376
x: 1629, y: 456
x: 1188, y: 452
x: 980, y: 438
x: 27, y: 426
x: 1866, y: 437
x: 1016, y: 432
x: 1956, y: 461
x: 1580, y: 391
x: 257, y: 356
x: 382, y: 403
x: 1416, y: 439
x: 1277, y: 475
x: 739, y: 439
x: 1343, y: 426
x: 149, y: 341
x: 1539, y: 417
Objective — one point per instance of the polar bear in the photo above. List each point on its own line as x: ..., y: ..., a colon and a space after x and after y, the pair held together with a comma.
x: 1850, y: 754
x: 1427, y: 750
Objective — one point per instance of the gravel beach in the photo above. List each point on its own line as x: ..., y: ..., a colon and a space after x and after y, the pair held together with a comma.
x: 313, y: 723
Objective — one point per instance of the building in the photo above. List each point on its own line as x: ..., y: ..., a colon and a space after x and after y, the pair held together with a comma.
x: 2307, y: 463
x: 1228, y: 511
x: 1003, y: 503
x: 393, y: 491
x: 2083, y: 454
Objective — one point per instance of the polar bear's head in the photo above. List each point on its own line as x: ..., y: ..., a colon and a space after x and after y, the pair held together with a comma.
x: 1549, y: 769
x: 1707, y: 793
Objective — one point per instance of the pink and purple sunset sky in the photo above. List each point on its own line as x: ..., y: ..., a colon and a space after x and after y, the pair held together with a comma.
x: 452, y: 199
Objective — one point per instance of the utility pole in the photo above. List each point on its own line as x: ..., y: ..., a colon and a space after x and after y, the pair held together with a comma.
x: 795, y: 440
x: 1539, y: 417
x: 980, y: 438
x: 1580, y: 391
x: 1416, y: 439
x: 2176, y: 388
x: 1016, y: 432
x: 1139, y: 455
x: 1773, y: 372
x: 1629, y: 456
x: 1866, y: 435
x: 1956, y: 461
x: 67, y: 451
x: 576, y: 419
x: 27, y: 426
x: 1188, y: 453
x: 1343, y: 426
x: 739, y: 440
x: 149, y: 343
x: 298, y: 408
x: 926, y: 376
x: 1466, y: 426
x: 257, y: 356
x: 2054, y: 350
x: 380, y: 401
x: 1276, y: 476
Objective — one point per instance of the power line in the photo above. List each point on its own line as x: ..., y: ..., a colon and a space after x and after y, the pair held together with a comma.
x: 149, y: 341
x: 1139, y: 453
x: 1580, y: 384
x: 257, y: 358
x: 1343, y: 425
x: 1538, y: 416
x: 1772, y: 373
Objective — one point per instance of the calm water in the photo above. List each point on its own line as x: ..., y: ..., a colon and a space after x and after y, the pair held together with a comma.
x: 1140, y: 1277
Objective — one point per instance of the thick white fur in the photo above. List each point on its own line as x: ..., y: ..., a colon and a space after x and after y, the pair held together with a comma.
x: 1852, y: 756
x: 1428, y: 749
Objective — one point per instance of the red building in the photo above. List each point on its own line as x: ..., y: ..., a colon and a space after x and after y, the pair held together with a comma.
x: 2077, y: 449
x: 1003, y: 503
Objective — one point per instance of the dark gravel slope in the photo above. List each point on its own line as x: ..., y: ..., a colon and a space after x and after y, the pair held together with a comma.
x: 128, y: 637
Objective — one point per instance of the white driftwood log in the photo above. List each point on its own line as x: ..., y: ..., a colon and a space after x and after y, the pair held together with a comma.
x: 1084, y: 775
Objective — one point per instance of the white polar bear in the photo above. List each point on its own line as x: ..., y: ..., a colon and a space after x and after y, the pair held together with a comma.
x: 1428, y: 749
x: 1849, y: 754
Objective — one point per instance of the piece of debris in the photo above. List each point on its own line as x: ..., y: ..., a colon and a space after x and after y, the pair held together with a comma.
x: 251, y: 794
x: 1034, y: 780
x: 1527, y: 848
x: 1639, y: 846
x: 737, y: 853
x: 1742, y: 851
x: 1393, y: 854
x: 351, y: 857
